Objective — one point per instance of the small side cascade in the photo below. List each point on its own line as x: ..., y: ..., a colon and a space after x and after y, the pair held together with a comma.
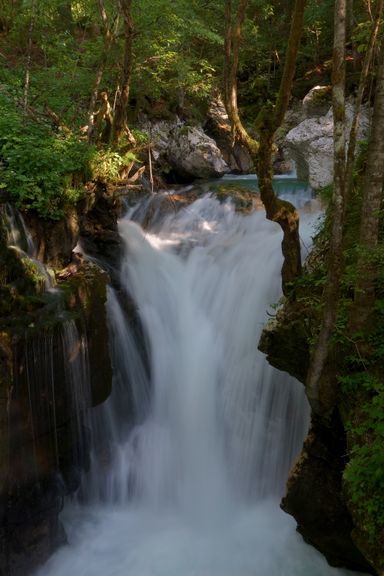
x: 20, y: 240
x: 17, y: 233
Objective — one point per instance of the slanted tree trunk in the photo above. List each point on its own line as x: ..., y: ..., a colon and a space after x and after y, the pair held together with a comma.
x: 64, y: 13
x: 93, y: 131
x: 319, y: 397
x: 269, y: 120
x: 370, y: 218
x: 372, y: 44
x: 232, y: 39
x: 120, y: 122
x: 281, y: 211
x: 27, y: 74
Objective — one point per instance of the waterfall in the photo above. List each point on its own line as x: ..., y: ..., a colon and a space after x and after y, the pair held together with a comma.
x: 190, y: 486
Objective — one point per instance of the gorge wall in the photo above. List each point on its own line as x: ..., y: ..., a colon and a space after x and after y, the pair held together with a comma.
x: 54, y: 365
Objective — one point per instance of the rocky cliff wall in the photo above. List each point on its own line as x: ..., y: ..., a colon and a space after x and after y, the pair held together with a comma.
x: 54, y: 365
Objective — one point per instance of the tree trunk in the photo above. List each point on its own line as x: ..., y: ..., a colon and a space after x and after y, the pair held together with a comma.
x: 268, y: 121
x: 294, y: 39
x: 232, y: 39
x: 92, y: 132
x: 320, y: 397
x: 65, y: 19
x: 370, y: 219
x: 376, y: 25
x: 281, y: 211
x: 120, y: 123
x: 29, y: 54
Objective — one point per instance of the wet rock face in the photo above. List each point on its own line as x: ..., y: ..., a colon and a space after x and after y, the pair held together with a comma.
x: 314, y: 497
x: 285, y: 342
x: 47, y: 383
x: 88, y: 288
x: 54, y: 363
x: 314, y: 494
x: 31, y: 487
x: 93, y: 222
x: 99, y: 236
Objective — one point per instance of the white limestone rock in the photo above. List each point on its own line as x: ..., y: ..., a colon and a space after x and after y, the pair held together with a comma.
x: 194, y: 154
x: 310, y: 145
x: 186, y: 149
x: 317, y: 102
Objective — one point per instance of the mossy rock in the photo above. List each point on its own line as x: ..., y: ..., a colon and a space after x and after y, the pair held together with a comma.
x: 86, y: 294
x: 285, y: 342
x: 245, y: 200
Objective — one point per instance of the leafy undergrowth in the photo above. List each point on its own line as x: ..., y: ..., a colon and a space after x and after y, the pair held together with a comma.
x: 45, y: 169
x: 362, y: 388
x: 40, y: 170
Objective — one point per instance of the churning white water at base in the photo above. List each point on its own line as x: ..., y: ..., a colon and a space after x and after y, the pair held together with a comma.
x: 193, y: 488
x: 133, y: 541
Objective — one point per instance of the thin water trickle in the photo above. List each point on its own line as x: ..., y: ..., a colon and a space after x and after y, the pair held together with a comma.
x: 193, y: 488
x: 19, y: 239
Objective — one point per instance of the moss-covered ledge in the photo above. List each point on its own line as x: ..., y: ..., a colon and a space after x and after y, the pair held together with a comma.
x: 85, y: 288
x: 285, y: 341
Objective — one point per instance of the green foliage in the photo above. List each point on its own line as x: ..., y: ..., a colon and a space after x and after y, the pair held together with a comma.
x: 357, y: 359
x: 106, y: 164
x: 177, y: 50
x: 364, y: 474
x: 37, y: 166
x: 318, y: 31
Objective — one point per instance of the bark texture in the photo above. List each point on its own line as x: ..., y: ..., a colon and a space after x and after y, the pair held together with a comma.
x: 370, y: 218
x: 320, y: 392
x: 372, y: 45
x: 108, y: 37
x: 120, y: 122
x: 270, y: 118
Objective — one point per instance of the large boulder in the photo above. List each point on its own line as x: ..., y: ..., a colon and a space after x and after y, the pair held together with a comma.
x: 310, y: 144
x: 186, y: 151
x: 194, y: 154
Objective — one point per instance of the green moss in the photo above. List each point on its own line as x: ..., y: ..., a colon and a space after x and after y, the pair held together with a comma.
x: 243, y: 199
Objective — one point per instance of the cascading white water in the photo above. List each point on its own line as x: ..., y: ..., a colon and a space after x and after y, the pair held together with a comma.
x: 193, y: 489
x: 16, y: 230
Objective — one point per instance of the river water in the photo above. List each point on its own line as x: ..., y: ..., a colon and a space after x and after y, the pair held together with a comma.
x: 191, y: 485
